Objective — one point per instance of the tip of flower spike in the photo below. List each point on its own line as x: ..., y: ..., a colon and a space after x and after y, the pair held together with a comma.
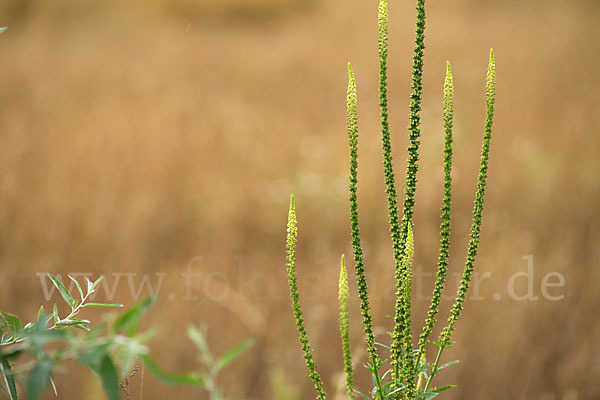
x: 343, y: 273
x: 383, y: 14
x: 410, y: 240
x: 343, y: 281
x: 291, y: 201
x: 448, y: 70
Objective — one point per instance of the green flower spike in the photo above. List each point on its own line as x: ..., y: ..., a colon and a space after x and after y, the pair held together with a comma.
x: 292, y: 239
x: 388, y: 168
x: 345, y: 328
x: 443, y: 260
x: 490, y: 94
x: 359, y: 265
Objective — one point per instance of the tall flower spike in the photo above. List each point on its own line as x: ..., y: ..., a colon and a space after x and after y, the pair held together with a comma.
x: 444, y: 340
x: 388, y: 168
x: 490, y: 94
x: 402, y: 336
x: 359, y: 266
x: 345, y: 328
x: 412, y: 162
x: 443, y: 260
x: 390, y: 182
x: 407, y: 261
x: 414, y: 117
x: 292, y: 239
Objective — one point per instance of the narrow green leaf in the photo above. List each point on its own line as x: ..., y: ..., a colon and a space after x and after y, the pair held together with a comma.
x: 168, y: 377
x: 40, y: 312
x: 444, y: 388
x: 233, y: 353
x: 55, y: 314
x: 96, y: 282
x: 108, y: 375
x: 83, y: 327
x: 72, y: 322
x: 426, y: 396
x: 38, y: 379
x: 8, y: 377
x: 62, y: 290
x: 13, y: 322
x: 78, y: 286
x: 3, y: 29
x: 362, y: 395
x: 198, y: 338
x: 449, y: 364
x: 53, y: 386
x: 89, y: 285
x: 93, y: 355
x: 385, y: 374
x: 102, y: 305
x: 396, y: 390
x: 148, y: 335
x: 383, y: 345
x: 128, y: 321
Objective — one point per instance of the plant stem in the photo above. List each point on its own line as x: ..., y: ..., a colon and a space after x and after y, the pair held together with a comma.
x: 478, y: 205
x: 359, y: 266
x: 292, y: 238
x: 444, y: 256
x: 345, y: 328
x: 434, y: 368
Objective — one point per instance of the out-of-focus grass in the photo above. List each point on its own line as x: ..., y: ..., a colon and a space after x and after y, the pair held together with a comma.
x: 136, y: 137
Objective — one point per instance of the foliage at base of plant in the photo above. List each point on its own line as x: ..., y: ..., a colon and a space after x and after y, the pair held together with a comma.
x: 213, y: 366
x: 30, y: 354
x: 408, y: 375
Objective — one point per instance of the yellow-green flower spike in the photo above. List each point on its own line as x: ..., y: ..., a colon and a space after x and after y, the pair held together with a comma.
x: 292, y: 239
x: 402, y: 336
x: 490, y: 93
x: 444, y: 257
x: 415, y: 117
x: 407, y: 262
x: 388, y: 169
x: 410, y: 368
x: 345, y: 328
x: 400, y: 234
x: 359, y: 266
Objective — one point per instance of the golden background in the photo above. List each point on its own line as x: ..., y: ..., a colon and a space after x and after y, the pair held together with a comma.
x: 143, y: 137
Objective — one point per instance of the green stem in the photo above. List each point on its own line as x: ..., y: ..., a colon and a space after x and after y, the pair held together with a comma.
x: 292, y: 238
x: 359, y: 266
x: 444, y: 255
x: 434, y: 367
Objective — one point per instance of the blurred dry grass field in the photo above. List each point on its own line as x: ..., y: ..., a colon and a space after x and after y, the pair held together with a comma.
x: 143, y: 137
